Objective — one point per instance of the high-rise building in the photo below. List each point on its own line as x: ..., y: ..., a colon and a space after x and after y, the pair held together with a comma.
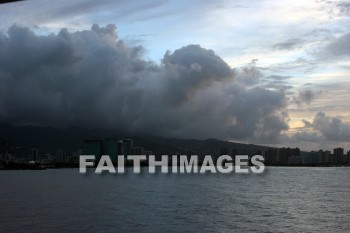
x: 120, y: 147
x: 312, y: 158
x: 272, y: 156
x: 323, y: 159
x: 338, y: 155
x: 296, y: 151
x: 327, y: 156
x: 35, y: 155
x: 296, y: 160
x: 125, y: 147
x: 93, y: 147
x: 129, y: 144
x: 61, y: 156
x: 284, y: 154
x: 111, y: 148
x: 137, y: 151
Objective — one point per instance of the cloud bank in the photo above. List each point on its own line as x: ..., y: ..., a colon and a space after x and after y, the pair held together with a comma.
x: 332, y: 128
x: 91, y: 79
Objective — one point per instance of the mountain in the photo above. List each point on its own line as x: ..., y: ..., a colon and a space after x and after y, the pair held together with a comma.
x: 49, y: 139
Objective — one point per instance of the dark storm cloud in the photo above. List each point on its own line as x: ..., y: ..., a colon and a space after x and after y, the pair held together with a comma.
x: 91, y: 79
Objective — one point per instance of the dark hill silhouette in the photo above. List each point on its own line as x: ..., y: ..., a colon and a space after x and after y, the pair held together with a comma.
x: 50, y: 139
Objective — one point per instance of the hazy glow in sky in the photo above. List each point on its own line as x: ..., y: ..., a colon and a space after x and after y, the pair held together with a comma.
x: 301, y: 47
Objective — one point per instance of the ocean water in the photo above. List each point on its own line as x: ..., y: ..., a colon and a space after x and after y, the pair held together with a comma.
x: 282, y: 199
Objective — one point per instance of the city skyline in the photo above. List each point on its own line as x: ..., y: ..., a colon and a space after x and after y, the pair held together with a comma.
x: 17, y: 156
x: 236, y: 71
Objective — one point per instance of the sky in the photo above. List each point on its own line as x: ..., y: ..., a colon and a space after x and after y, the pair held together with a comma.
x: 265, y: 72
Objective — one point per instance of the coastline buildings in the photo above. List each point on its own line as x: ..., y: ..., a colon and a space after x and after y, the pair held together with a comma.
x: 285, y: 154
x: 312, y: 158
x: 112, y: 147
x: 293, y: 156
x: 282, y: 156
x: 93, y: 147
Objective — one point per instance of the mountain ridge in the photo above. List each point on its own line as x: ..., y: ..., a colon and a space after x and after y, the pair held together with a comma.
x: 49, y: 139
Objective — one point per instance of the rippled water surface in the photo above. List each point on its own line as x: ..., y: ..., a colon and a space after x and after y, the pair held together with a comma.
x: 280, y: 200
